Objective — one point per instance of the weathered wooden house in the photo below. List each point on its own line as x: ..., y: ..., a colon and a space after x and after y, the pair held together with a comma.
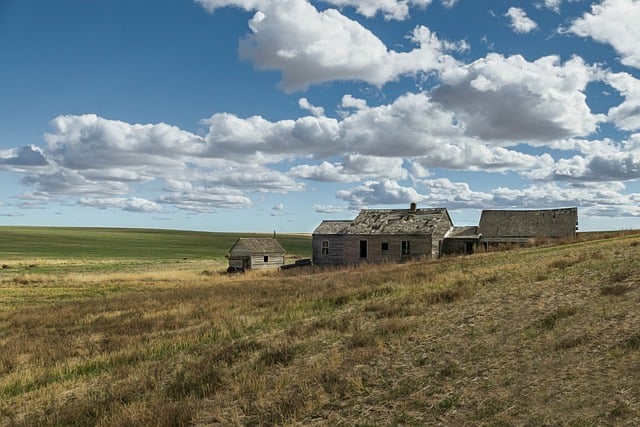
x: 386, y: 235
x: 519, y: 226
x: 255, y: 253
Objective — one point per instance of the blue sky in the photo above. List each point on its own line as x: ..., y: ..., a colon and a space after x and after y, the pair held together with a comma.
x: 262, y: 115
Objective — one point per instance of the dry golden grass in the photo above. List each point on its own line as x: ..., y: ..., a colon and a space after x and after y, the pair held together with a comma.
x: 537, y: 336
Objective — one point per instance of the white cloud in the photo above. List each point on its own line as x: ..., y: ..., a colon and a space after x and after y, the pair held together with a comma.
x: 514, y: 100
x: 132, y: 204
x: 261, y: 141
x: 309, y: 46
x: 384, y: 192
x: 22, y: 158
x: 614, y: 22
x: 520, y: 22
x: 306, y: 105
x: 206, y: 200
x: 626, y: 116
x: 328, y: 209
x: 390, y: 9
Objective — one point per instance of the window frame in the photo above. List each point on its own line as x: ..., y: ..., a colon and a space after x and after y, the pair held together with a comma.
x: 324, y: 248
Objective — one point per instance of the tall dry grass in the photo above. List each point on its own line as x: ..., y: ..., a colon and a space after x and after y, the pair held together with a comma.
x: 537, y: 336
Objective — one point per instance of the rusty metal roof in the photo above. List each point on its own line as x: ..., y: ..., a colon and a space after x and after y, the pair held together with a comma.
x: 257, y: 245
x: 387, y: 221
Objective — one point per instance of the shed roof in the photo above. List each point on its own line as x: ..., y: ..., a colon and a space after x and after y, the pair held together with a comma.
x: 387, y: 221
x: 255, y: 245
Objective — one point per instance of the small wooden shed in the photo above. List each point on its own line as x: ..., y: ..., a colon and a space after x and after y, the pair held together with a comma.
x: 255, y: 253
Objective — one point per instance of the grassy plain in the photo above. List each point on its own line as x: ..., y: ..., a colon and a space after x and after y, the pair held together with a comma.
x: 538, y: 336
x: 50, y: 249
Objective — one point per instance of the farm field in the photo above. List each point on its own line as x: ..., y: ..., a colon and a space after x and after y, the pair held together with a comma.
x: 51, y: 249
x: 545, y: 335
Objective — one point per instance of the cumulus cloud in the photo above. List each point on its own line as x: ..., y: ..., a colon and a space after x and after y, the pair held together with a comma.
x: 353, y: 167
x: 328, y: 209
x: 132, y: 204
x: 520, y: 22
x: 23, y: 157
x: 625, y: 116
x: 262, y: 141
x: 390, y: 9
x: 206, y: 200
x: 614, y: 22
x: 383, y: 192
x: 309, y: 46
x: 314, y: 110
x: 512, y: 99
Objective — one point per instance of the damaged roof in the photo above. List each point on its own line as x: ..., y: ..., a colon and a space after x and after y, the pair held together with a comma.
x: 387, y: 221
x: 257, y: 246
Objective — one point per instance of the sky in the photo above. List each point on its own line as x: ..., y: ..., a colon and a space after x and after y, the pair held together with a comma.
x: 273, y: 115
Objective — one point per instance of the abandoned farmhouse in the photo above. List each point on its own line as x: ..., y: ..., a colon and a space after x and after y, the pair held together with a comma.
x: 396, y: 235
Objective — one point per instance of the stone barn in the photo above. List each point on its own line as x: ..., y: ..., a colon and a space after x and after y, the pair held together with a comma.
x: 255, y: 253
x: 519, y: 226
x: 381, y: 235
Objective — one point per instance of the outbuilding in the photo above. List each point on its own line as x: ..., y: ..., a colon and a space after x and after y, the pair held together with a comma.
x: 255, y: 253
x: 519, y: 226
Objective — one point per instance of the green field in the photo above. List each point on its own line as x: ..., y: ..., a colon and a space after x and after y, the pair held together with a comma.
x: 114, y: 248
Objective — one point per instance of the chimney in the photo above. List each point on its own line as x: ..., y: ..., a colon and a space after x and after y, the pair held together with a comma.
x: 412, y: 207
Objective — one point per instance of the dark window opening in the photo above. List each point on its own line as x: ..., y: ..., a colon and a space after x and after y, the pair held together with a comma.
x: 406, y: 247
x: 363, y: 248
x: 385, y: 246
x: 325, y: 247
x: 266, y: 258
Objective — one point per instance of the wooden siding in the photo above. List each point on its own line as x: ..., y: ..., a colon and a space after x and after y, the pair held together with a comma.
x: 345, y: 249
x: 336, y: 249
x: 437, y: 237
x: 274, y: 261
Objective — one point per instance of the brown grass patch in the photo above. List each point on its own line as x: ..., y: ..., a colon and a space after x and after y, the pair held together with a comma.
x: 509, y: 338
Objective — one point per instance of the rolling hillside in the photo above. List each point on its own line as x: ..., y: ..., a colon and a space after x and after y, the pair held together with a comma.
x: 537, y: 336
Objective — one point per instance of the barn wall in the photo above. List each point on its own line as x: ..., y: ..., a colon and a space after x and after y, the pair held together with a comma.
x: 547, y: 223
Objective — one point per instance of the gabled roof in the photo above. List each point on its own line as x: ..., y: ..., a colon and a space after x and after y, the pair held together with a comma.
x: 387, y: 221
x: 257, y: 246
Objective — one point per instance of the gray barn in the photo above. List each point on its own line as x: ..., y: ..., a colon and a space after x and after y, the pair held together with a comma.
x: 256, y: 253
x: 518, y: 226
x: 386, y: 235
